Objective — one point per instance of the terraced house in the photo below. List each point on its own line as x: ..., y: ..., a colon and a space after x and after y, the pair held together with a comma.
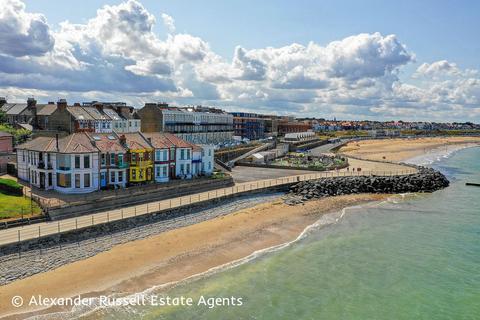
x: 140, y: 156
x: 113, y: 160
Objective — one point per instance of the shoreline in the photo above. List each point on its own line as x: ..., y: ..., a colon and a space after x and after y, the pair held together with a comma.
x: 270, y: 224
x: 241, y: 240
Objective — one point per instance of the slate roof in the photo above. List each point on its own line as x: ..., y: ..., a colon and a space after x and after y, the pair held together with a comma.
x: 107, y: 142
x: 79, y: 113
x: 112, y: 114
x: 38, y: 144
x: 46, y: 109
x: 14, y: 108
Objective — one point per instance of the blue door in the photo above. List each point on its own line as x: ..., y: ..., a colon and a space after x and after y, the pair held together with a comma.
x: 103, y: 179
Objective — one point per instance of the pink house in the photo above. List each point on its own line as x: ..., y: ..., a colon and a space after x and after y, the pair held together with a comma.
x: 6, y: 142
x: 6, y: 149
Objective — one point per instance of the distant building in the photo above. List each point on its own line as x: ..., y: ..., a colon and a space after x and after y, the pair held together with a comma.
x: 18, y: 113
x: 200, y: 125
x: 248, y: 125
x: 291, y: 126
x: 6, y: 150
x: 95, y: 117
x: 44, y: 111
x: 124, y: 118
x: 6, y: 142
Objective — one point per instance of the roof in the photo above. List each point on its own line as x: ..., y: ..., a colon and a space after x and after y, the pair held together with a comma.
x: 87, y: 113
x: 136, y: 141
x: 161, y: 140
x: 107, y: 142
x: 112, y: 114
x: 74, y: 143
x: 96, y: 114
x: 46, y: 109
x: 38, y: 144
x: 5, y: 134
x: 79, y: 113
x: 17, y: 108
x: 6, y: 106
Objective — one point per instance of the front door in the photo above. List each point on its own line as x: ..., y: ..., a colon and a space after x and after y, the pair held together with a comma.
x: 103, y: 179
x: 42, y: 180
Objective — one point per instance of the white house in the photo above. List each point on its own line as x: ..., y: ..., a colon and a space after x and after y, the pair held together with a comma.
x: 67, y: 165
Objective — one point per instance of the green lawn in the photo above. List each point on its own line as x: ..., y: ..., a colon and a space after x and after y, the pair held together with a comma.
x: 11, y: 206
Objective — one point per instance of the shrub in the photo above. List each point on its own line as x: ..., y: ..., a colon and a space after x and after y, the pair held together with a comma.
x: 11, y: 186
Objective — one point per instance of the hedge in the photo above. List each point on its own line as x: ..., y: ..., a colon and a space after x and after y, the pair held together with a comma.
x: 11, y: 186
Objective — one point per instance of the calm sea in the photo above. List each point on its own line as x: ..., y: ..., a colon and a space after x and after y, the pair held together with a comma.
x: 412, y: 257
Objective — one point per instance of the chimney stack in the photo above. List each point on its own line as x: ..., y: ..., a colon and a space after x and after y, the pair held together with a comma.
x: 2, y: 101
x: 31, y: 102
x: 123, y: 140
x: 62, y: 104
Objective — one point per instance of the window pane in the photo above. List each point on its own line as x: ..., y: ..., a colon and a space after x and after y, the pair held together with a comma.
x: 86, y: 180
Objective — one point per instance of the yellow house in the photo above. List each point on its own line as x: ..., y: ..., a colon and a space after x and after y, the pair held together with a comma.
x: 140, y: 155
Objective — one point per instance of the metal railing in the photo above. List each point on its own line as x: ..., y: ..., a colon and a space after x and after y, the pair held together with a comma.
x: 29, y: 232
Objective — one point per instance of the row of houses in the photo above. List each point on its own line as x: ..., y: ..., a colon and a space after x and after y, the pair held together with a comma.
x: 99, y: 117
x: 84, y: 162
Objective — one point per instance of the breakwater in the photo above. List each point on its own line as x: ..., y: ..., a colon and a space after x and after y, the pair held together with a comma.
x: 425, y: 180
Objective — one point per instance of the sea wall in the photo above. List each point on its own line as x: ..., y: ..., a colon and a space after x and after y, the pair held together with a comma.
x: 425, y: 180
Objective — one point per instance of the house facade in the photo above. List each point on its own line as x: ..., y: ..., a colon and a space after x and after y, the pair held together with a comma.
x: 113, y: 160
x: 67, y: 165
x: 140, y: 156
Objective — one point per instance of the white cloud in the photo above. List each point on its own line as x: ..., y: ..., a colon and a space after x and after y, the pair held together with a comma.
x: 23, y: 33
x: 169, y: 22
x: 116, y: 55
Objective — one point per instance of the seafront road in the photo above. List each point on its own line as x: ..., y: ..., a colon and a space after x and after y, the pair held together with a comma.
x: 43, y: 229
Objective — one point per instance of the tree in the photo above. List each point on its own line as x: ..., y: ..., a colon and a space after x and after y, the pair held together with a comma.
x: 3, y: 117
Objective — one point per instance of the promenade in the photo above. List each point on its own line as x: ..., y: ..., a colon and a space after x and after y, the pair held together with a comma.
x: 43, y: 229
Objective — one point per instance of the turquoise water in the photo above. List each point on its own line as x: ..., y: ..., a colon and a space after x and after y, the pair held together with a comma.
x: 414, y: 258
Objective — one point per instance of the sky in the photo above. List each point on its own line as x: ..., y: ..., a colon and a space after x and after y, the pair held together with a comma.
x: 380, y: 60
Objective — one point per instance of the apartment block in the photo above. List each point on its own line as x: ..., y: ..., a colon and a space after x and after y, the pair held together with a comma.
x: 200, y: 125
x: 248, y: 125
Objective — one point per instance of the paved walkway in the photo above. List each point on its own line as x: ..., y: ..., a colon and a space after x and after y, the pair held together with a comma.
x: 13, y: 235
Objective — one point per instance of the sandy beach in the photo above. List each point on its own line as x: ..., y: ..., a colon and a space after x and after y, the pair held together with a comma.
x: 402, y: 149
x: 177, y: 254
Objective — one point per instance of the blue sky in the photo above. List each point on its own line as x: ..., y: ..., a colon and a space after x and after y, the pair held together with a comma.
x: 428, y: 69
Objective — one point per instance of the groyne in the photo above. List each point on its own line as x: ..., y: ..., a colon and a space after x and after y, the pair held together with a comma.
x: 425, y: 180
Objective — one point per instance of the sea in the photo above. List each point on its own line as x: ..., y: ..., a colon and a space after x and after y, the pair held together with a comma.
x: 413, y: 256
